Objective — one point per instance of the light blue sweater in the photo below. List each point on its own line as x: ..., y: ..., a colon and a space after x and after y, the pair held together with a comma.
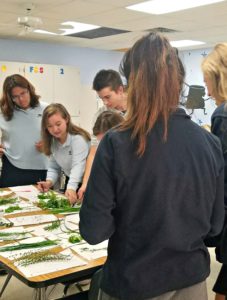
x: 19, y: 136
x: 70, y: 158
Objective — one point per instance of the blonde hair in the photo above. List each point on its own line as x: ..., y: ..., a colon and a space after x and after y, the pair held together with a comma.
x: 214, y: 67
x: 47, y: 138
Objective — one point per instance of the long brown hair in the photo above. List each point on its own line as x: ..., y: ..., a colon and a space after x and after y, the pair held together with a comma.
x: 154, y: 85
x: 51, y: 110
x: 6, y: 103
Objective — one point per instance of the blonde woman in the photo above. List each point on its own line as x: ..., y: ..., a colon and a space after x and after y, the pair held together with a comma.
x: 214, y: 68
x: 68, y: 147
x: 147, y: 193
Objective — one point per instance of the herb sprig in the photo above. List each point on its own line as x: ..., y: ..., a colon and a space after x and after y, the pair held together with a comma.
x: 12, y: 209
x: 41, y: 256
x: 28, y: 246
x: 75, y: 238
x: 54, y: 225
x: 7, y: 201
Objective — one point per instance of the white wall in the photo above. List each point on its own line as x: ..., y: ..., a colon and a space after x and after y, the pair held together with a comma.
x: 89, y: 61
x: 192, y: 62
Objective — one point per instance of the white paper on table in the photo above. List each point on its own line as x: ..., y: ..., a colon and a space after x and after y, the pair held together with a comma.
x: 24, y: 205
x: 40, y: 231
x: 51, y: 266
x: 17, y: 230
x: 26, y: 191
x: 71, y: 220
x: 91, y: 251
x: 5, y: 206
x: 11, y: 255
x: 5, y: 193
x: 24, y: 188
x: 35, y: 219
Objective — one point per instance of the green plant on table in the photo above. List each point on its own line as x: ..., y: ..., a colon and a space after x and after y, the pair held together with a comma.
x: 54, y: 225
x: 7, y: 201
x: 28, y: 246
x: 41, y: 256
x: 75, y: 238
x: 12, y: 209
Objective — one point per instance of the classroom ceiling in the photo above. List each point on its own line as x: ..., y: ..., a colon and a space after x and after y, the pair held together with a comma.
x: 207, y: 23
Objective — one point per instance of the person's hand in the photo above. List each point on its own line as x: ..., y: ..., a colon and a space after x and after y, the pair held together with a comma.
x: 2, y: 150
x: 39, y: 146
x: 71, y: 195
x: 81, y: 191
x: 44, y: 186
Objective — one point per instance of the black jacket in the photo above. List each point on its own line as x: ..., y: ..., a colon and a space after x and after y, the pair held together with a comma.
x: 219, y: 128
x: 155, y: 210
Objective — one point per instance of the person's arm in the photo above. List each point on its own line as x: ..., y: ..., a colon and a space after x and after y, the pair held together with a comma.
x: 217, y: 218
x: 80, y: 150
x: 96, y: 214
x: 219, y: 128
x: 53, y: 170
x: 44, y: 186
x: 39, y: 146
x: 87, y: 172
x: 2, y: 149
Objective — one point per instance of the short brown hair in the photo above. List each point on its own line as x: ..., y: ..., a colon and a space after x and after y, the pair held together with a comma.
x: 107, y: 120
x: 107, y: 78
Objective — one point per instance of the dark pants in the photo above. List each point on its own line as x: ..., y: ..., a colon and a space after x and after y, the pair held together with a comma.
x: 13, y: 176
x: 220, y: 286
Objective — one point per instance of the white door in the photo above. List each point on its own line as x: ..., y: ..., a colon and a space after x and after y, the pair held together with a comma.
x: 67, y: 88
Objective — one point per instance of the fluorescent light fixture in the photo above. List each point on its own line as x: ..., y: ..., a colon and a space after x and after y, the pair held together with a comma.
x: 44, y: 32
x: 185, y: 43
x: 76, y: 27
x: 158, y: 7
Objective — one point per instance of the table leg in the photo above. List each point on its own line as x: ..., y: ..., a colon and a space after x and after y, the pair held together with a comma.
x: 5, y: 284
x: 39, y: 294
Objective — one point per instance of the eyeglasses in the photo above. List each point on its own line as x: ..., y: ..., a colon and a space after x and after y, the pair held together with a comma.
x: 22, y: 95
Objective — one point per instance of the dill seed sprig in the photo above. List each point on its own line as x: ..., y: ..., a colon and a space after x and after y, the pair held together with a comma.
x: 8, y: 201
x: 41, y: 256
x: 53, y: 225
x: 28, y: 246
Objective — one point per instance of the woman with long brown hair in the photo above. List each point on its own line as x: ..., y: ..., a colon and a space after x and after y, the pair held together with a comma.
x: 20, y: 122
x: 68, y: 147
x: 147, y: 192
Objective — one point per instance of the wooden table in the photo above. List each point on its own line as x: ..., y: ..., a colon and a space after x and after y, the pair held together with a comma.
x: 41, y: 282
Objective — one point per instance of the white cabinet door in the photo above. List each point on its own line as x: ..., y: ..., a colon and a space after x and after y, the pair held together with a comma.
x: 67, y: 88
x: 41, y: 76
x: 9, y: 68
